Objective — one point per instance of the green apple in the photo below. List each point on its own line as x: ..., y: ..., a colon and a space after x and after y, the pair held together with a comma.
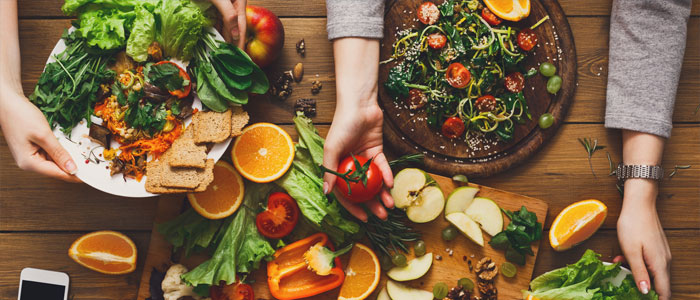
x: 398, y: 291
x: 459, y: 199
x: 415, y: 268
x: 487, y: 213
x: 416, y: 192
x: 383, y: 295
x: 467, y: 226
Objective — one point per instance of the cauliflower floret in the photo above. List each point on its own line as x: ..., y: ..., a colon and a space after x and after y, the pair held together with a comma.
x: 173, y: 286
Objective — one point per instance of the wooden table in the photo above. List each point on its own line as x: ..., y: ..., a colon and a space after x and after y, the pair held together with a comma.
x: 41, y: 217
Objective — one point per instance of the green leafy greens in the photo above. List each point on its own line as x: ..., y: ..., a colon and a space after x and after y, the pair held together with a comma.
x: 183, y: 24
x: 519, y: 234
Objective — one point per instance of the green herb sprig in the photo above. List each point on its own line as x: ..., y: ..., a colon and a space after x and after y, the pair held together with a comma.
x: 591, y: 146
x: 519, y: 234
x: 676, y: 168
x: 390, y: 235
x: 406, y: 159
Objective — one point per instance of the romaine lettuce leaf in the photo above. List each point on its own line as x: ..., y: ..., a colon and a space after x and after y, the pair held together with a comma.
x: 142, y: 34
x: 182, y: 26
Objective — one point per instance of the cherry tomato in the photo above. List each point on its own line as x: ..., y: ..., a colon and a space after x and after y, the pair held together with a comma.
x: 186, y: 90
x: 453, y: 127
x: 457, y: 75
x: 416, y: 99
x: 437, y: 40
x: 485, y: 103
x: 489, y: 17
x: 428, y: 13
x: 359, y: 192
x: 234, y: 291
x: 279, y: 218
x: 527, y: 39
x: 515, y: 82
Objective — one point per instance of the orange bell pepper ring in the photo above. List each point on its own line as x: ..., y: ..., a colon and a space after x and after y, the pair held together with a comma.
x: 288, y: 276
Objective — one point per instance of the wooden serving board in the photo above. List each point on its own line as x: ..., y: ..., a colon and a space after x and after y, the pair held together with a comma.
x: 449, y: 269
x: 408, y: 132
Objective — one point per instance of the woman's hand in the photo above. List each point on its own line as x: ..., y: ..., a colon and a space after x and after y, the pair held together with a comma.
x: 234, y: 19
x: 642, y: 238
x: 31, y: 141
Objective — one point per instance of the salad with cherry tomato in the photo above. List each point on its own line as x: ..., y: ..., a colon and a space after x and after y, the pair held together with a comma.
x: 464, y: 67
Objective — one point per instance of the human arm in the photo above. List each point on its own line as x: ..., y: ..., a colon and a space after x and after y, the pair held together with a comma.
x: 234, y: 19
x: 28, y: 135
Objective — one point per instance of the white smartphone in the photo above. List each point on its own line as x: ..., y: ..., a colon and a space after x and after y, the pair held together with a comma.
x: 36, y: 284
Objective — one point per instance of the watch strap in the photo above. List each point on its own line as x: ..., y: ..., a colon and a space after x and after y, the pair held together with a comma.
x: 639, y: 171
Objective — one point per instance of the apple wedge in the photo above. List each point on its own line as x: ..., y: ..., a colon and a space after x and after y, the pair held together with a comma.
x: 383, y: 294
x: 487, y: 213
x: 416, y: 192
x: 398, y: 291
x: 415, y: 268
x: 427, y: 206
x: 460, y: 199
x: 467, y: 226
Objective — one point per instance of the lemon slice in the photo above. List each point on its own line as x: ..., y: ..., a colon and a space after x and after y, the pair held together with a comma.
x: 511, y: 10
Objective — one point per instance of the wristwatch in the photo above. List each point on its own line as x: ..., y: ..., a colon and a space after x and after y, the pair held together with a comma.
x: 625, y: 172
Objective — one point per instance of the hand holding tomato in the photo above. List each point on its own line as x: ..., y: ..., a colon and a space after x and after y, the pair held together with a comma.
x: 359, y: 179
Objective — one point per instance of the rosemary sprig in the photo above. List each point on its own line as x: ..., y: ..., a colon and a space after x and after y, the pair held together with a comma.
x: 391, y: 235
x: 613, y: 170
x: 406, y: 159
x: 591, y: 146
x: 676, y: 168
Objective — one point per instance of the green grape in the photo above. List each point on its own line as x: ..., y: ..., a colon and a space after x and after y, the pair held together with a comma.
x: 553, y: 84
x: 547, y: 69
x: 508, y: 269
x: 419, y: 248
x: 546, y: 120
x: 449, y: 233
x: 466, y: 284
x: 385, y: 262
x: 440, y: 290
x: 399, y: 260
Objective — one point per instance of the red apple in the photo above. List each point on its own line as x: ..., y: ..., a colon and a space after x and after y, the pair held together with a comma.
x: 265, y: 35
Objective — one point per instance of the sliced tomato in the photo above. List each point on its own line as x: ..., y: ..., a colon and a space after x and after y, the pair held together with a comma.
x: 234, y: 291
x: 489, y: 17
x: 457, y: 75
x: 428, y: 13
x: 485, y: 103
x: 453, y: 127
x: 280, y: 217
x: 527, y: 39
x: 514, y: 82
x: 416, y: 99
x: 437, y: 40
x: 186, y: 90
x: 359, y: 192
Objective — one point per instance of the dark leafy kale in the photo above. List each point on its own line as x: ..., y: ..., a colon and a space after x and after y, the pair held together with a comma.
x: 519, y: 234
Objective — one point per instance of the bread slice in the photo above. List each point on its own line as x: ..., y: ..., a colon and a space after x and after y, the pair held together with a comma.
x: 239, y: 119
x: 155, y: 172
x: 162, y: 178
x: 185, y: 153
x: 207, y: 176
x: 211, y: 126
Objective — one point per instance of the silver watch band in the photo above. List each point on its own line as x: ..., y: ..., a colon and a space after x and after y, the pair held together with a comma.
x: 639, y: 171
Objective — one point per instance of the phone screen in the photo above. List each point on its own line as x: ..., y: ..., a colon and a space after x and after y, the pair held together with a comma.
x: 32, y: 290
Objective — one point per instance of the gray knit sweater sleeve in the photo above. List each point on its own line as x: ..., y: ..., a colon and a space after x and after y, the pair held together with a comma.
x: 647, y: 42
x: 355, y: 18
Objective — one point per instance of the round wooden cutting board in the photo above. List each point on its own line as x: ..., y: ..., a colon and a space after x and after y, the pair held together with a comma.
x: 407, y: 132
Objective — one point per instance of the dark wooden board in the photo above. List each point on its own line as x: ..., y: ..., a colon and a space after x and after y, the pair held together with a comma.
x: 407, y: 132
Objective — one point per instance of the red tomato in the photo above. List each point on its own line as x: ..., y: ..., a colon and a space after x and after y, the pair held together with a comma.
x: 279, y: 218
x: 527, y: 39
x: 359, y: 192
x: 428, y: 13
x: 457, y: 75
x: 234, y: 291
x: 453, y: 127
x: 186, y: 90
x: 485, y: 103
x: 489, y: 17
x: 437, y: 40
x: 416, y: 99
x: 515, y: 82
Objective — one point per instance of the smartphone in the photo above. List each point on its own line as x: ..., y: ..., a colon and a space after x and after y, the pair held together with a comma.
x: 36, y: 284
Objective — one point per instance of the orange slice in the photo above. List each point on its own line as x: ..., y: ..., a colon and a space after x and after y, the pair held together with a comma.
x: 107, y: 252
x: 530, y: 297
x: 361, y: 274
x: 223, y: 196
x: 511, y: 10
x: 576, y: 223
x: 263, y: 152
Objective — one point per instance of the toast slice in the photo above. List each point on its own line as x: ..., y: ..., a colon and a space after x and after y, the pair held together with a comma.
x: 239, y: 119
x: 185, y: 153
x: 155, y: 172
x: 162, y: 178
x: 211, y: 126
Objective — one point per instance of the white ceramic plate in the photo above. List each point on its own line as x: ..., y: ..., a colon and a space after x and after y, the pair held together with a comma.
x: 97, y: 175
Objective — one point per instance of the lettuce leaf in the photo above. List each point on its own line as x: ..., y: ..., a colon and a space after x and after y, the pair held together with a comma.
x: 626, y: 291
x: 105, y: 28
x: 182, y: 25
x: 142, y: 34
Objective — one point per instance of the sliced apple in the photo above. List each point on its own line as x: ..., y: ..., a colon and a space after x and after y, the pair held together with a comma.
x: 414, y: 269
x: 408, y: 184
x: 459, y: 199
x: 398, y: 291
x: 487, y: 213
x: 427, y: 206
x: 383, y: 295
x: 467, y: 226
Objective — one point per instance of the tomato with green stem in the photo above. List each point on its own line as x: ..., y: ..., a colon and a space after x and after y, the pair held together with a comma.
x: 358, y: 178
x: 235, y: 291
x: 280, y: 217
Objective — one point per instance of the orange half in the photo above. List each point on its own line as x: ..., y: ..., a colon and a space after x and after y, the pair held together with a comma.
x: 223, y: 196
x: 263, y: 152
x: 576, y: 223
x: 361, y: 274
x: 511, y: 10
x: 107, y: 252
